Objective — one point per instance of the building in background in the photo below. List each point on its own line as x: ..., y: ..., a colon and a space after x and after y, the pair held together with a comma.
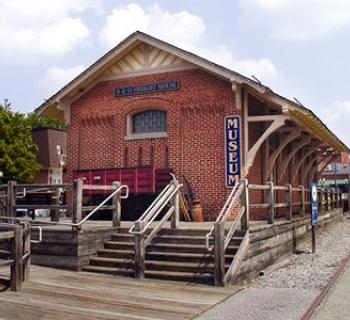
x: 52, y: 147
x: 337, y: 173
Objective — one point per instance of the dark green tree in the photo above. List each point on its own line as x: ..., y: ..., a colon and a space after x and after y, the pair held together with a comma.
x: 40, y: 122
x: 17, y: 150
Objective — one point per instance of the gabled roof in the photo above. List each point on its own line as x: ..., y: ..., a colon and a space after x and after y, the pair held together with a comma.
x: 299, y: 113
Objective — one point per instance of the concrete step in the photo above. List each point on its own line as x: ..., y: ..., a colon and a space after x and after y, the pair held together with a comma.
x: 163, y: 231
x: 119, y: 263
x: 166, y: 238
x: 162, y: 256
x: 128, y: 264
x: 172, y: 238
x: 171, y: 266
x: 112, y: 271
x: 184, y: 248
x: 123, y: 237
x: 192, y: 277
x: 167, y: 247
x: 204, y: 278
x: 115, y: 253
x: 180, y: 257
x: 120, y: 245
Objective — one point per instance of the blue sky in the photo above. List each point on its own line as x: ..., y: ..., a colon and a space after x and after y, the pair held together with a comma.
x: 298, y: 48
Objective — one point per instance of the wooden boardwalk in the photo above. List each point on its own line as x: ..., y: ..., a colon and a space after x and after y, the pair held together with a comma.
x: 58, y: 294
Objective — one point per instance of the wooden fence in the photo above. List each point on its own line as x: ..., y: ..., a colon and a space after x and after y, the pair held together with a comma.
x: 10, y: 193
x: 15, y: 253
x: 328, y: 199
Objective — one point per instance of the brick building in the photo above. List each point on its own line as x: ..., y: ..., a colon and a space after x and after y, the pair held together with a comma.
x: 337, y: 173
x: 52, y: 145
x: 147, y: 108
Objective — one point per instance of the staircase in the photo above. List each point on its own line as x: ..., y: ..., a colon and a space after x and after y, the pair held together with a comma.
x: 156, y: 247
x: 174, y: 254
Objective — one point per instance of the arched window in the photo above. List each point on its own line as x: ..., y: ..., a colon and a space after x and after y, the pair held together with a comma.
x: 147, y: 124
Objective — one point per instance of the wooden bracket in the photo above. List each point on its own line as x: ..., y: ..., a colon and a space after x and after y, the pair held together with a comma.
x: 326, y: 161
x: 278, y: 121
x: 285, y: 162
x: 303, y: 158
x: 273, y: 157
x: 305, y: 172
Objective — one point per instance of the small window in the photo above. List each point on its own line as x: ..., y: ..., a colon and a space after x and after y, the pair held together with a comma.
x: 149, y: 121
x: 147, y: 124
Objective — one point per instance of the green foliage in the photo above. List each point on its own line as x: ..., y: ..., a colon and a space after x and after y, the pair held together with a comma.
x: 17, y: 150
x: 41, y: 122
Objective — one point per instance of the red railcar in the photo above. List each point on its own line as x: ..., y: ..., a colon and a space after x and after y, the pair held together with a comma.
x: 139, y: 179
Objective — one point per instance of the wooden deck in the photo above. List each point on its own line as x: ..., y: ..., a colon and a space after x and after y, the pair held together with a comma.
x: 58, y: 294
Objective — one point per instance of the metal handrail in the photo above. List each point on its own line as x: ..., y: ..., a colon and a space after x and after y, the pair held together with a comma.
x: 226, y: 210
x: 154, y: 202
x: 22, y: 194
x: 156, y: 208
x: 71, y: 224
x: 233, y: 227
x: 119, y: 189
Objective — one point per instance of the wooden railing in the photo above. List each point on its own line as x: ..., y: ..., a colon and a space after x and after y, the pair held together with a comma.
x: 223, y: 232
x: 3, y: 200
x: 15, y: 253
x: 15, y: 191
x: 328, y: 199
x: 140, y: 229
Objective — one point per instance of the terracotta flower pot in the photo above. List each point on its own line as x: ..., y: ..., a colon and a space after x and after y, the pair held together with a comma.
x: 197, y: 211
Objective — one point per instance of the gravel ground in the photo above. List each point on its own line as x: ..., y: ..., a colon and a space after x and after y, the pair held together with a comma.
x: 286, y: 292
x: 312, y: 271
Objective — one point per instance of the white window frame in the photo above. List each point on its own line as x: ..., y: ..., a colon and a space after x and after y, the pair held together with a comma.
x: 145, y: 135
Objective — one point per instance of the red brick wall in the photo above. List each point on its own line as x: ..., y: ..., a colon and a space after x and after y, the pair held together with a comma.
x: 42, y: 176
x: 194, y: 147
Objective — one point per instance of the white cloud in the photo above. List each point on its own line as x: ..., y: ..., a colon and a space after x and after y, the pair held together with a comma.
x: 336, y: 118
x: 55, y: 77
x: 183, y: 29
x: 261, y: 68
x: 42, y: 27
x: 57, y: 38
x: 302, y: 21
x: 180, y: 28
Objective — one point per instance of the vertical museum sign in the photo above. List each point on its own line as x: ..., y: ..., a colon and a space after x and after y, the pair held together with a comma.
x: 232, y: 149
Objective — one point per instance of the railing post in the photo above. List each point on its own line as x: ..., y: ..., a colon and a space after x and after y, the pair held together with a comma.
x: 302, y: 200
x: 139, y: 251
x: 289, y: 199
x: 77, y: 201
x: 16, y: 256
x: 328, y: 200
x: 324, y: 198
x: 331, y: 204
x: 11, y: 199
x: 116, y: 213
x: 245, y: 203
x: 219, y: 247
x: 26, y: 251
x: 322, y: 208
x: 338, y: 198
x: 271, y: 200
x: 175, y: 201
x: 55, y: 213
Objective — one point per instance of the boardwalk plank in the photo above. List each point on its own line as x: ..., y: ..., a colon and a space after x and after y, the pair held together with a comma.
x: 58, y: 294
